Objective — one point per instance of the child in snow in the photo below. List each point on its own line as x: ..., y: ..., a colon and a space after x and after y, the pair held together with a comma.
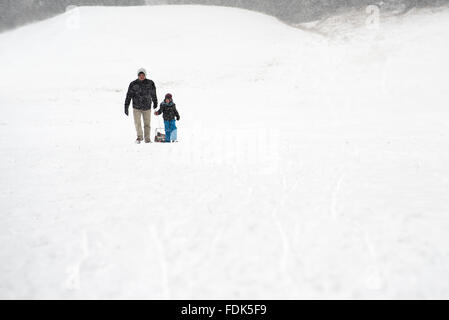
x: 168, y: 109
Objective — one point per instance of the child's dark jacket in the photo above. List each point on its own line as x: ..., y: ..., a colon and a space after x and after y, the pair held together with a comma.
x: 169, y: 111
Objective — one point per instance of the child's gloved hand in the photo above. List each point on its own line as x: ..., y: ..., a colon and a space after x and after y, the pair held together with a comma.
x: 178, y: 118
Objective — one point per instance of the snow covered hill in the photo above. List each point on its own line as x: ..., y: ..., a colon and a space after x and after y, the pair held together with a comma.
x: 306, y: 168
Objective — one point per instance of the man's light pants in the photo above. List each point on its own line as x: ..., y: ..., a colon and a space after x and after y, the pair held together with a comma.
x: 146, y: 115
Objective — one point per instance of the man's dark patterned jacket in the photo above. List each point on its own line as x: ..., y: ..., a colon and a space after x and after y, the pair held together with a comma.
x: 141, y: 93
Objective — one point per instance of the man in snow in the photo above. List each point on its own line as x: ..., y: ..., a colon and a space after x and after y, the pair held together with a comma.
x: 141, y: 91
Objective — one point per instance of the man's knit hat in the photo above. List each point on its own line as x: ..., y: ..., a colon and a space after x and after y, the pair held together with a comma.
x: 142, y: 70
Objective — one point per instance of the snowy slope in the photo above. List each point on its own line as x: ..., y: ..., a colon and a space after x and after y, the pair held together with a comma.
x: 307, y: 168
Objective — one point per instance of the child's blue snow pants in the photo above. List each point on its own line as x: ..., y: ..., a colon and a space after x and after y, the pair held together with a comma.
x: 171, y: 132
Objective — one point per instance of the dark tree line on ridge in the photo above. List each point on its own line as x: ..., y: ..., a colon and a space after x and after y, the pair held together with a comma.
x: 17, y: 12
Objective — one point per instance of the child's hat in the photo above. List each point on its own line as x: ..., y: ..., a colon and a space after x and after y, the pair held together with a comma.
x: 169, y: 96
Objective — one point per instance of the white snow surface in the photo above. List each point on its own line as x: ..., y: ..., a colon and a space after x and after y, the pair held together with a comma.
x: 306, y: 168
